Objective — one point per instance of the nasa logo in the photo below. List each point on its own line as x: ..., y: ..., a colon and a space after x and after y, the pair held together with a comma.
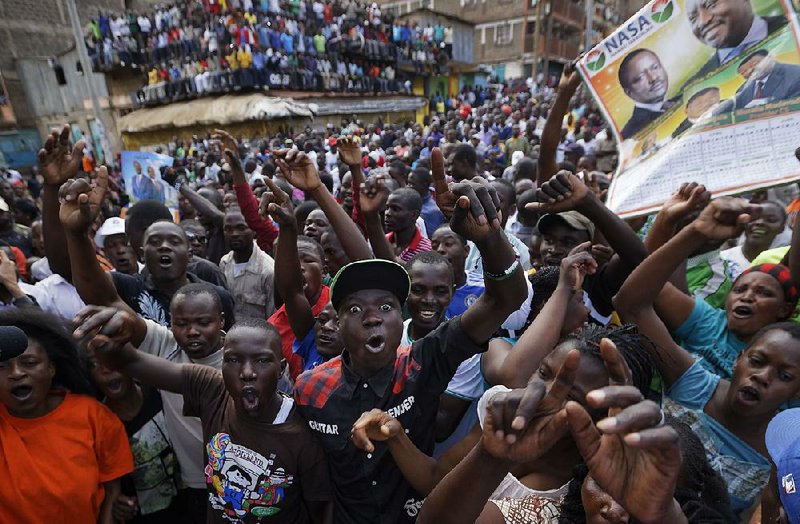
x: 595, y: 60
x: 661, y: 11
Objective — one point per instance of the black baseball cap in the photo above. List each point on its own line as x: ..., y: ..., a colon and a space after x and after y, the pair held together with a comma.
x: 374, y: 273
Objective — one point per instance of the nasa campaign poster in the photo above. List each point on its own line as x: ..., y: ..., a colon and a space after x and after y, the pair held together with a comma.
x: 699, y: 90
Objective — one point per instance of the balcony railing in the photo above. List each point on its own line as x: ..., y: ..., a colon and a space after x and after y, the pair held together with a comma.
x: 567, y: 11
x: 556, y: 47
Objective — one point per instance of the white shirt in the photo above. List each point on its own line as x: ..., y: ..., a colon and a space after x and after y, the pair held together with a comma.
x: 55, y: 295
x: 186, y: 433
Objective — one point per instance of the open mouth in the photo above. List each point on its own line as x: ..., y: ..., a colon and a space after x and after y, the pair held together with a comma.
x: 194, y: 346
x: 748, y: 394
x: 552, y: 261
x: 114, y: 386
x: 22, y: 393
x: 428, y: 315
x: 375, y: 344
x: 249, y: 398
x: 758, y: 231
x: 165, y: 261
x: 326, y: 339
x: 742, y: 312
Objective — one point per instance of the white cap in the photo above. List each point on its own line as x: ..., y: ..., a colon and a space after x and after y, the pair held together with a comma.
x: 3, y: 205
x: 516, y: 156
x: 112, y: 226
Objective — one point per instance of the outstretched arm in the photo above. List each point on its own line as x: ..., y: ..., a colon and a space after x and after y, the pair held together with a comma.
x: 80, y: 205
x: 566, y: 192
x: 109, y: 334
x: 288, y: 276
x: 58, y: 164
x: 264, y: 229
x: 723, y: 218
x: 373, y: 194
x: 514, y: 368
x: 350, y: 154
x: 474, y: 208
x: 551, y: 134
x: 203, y: 205
x: 298, y: 170
x: 420, y: 470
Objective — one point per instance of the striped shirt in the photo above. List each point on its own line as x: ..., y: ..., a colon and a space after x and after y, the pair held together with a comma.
x: 418, y: 244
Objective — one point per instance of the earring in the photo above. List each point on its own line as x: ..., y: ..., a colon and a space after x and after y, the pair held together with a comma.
x: 222, y: 335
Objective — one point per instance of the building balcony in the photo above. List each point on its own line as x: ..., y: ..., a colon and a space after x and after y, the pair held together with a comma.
x: 568, y: 12
x: 555, y: 48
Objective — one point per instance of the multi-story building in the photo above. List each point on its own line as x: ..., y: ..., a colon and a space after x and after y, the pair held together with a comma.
x: 510, y: 36
x: 41, y: 81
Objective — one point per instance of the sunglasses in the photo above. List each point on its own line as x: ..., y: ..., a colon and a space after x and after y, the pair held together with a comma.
x: 196, y: 238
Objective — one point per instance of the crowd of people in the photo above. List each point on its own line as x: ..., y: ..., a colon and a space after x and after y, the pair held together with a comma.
x: 438, y: 322
x: 197, y: 48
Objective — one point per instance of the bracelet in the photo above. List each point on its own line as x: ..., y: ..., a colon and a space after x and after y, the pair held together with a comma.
x: 505, y: 274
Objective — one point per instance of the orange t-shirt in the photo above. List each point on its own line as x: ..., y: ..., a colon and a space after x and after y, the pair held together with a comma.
x: 53, y: 466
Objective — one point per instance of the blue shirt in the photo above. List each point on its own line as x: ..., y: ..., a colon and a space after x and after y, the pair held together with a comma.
x: 431, y: 214
x: 705, y: 333
x: 287, y: 42
x: 258, y: 60
x: 307, y: 349
x: 463, y: 298
x: 745, y: 471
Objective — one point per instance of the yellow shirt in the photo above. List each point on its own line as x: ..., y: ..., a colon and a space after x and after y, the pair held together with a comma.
x: 232, y: 62
x: 245, y: 58
x: 152, y: 76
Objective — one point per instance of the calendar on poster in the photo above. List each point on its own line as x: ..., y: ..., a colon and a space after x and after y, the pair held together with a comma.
x: 718, y: 106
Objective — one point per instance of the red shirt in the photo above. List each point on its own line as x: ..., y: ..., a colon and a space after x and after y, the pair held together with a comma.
x: 280, y: 320
x: 418, y: 244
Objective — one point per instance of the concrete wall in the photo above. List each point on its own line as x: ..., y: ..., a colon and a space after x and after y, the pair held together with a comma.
x: 38, y: 29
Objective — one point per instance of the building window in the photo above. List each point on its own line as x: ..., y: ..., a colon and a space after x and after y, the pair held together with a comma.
x: 503, y: 34
x: 469, y: 3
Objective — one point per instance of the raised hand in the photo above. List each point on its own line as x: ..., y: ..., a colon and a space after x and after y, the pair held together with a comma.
x: 725, y: 218
x: 445, y: 199
x: 634, y: 458
x: 523, y: 424
x: 80, y: 202
x: 476, y: 215
x: 374, y: 426
x: 570, y: 79
x: 691, y: 197
x: 349, y: 150
x: 228, y: 143
x: 373, y: 195
x: 298, y: 169
x: 57, y: 162
x: 576, y: 265
x: 237, y: 173
x: 277, y: 205
x: 563, y: 192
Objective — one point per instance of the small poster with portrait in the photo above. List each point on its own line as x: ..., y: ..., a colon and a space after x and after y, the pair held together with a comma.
x: 142, y: 173
x: 699, y: 90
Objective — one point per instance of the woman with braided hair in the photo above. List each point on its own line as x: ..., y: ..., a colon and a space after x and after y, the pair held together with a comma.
x: 729, y: 415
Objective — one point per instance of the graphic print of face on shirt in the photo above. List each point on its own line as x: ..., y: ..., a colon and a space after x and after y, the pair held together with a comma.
x: 243, y: 482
